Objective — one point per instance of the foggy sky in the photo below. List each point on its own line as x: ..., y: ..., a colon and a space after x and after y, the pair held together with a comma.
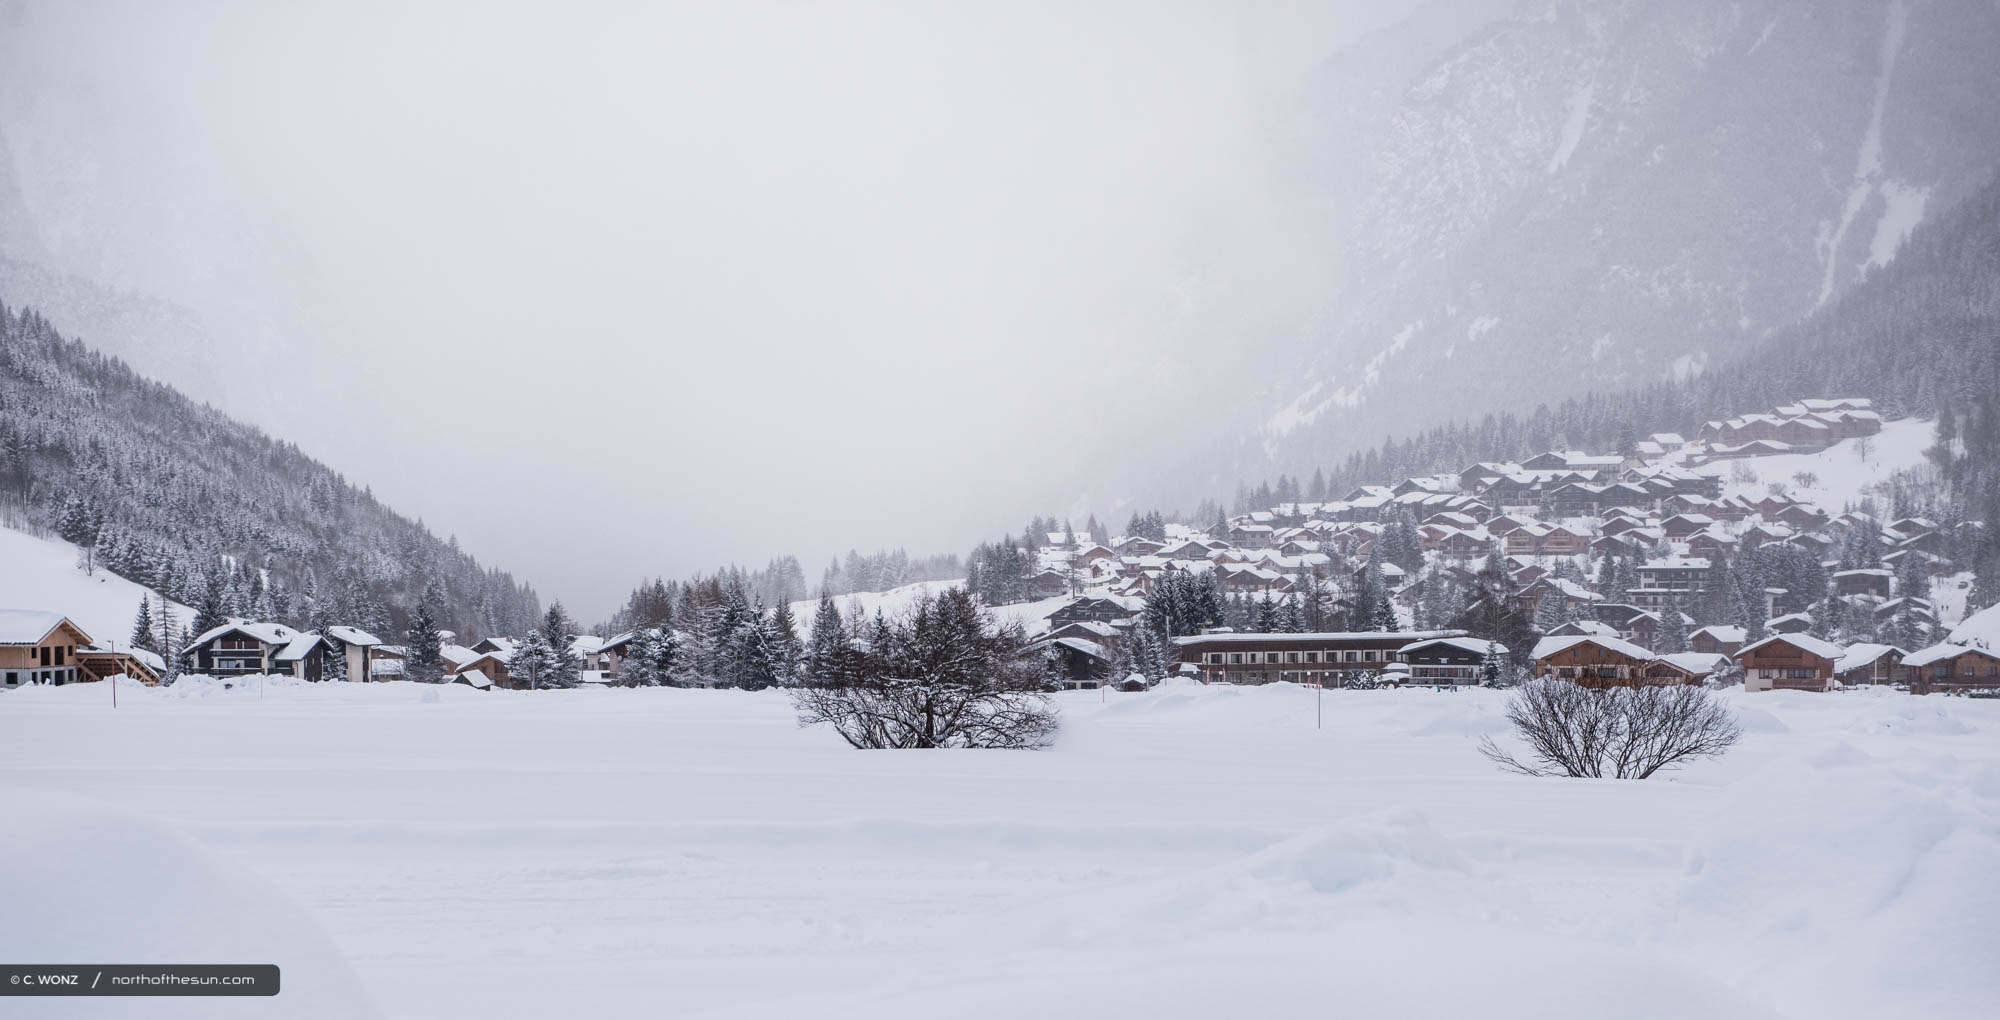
x: 609, y: 291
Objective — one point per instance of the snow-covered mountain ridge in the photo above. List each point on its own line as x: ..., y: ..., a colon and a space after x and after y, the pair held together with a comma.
x: 1589, y: 196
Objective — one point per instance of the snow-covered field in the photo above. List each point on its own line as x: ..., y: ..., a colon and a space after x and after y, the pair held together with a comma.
x: 1188, y: 852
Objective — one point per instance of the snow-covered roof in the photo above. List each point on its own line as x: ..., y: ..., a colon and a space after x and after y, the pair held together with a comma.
x: 1310, y: 636
x: 1862, y: 654
x: 1555, y: 645
x: 353, y: 636
x: 1936, y: 653
x: 151, y: 660
x: 267, y: 633
x: 1805, y: 642
x: 474, y: 678
x: 298, y: 648
x: 1696, y: 662
x: 1477, y: 646
x: 30, y: 626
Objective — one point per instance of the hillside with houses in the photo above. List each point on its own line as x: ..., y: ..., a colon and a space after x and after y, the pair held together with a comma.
x: 1781, y: 549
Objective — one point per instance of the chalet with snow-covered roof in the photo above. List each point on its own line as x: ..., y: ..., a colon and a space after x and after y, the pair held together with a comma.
x: 1693, y: 668
x: 1313, y: 658
x: 1591, y: 660
x: 1452, y: 660
x: 1871, y: 664
x: 1789, y: 662
x: 490, y: 664
x: 38, y: 647
x: 1092, y: 608
x: 1949, y: 667
x: 1874, y: 582
x: 241, y: 649
x: 1720, y: 639
x: 1790, y: 623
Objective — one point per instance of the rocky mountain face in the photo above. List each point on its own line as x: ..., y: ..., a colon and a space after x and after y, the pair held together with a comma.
x: 1583, y: 196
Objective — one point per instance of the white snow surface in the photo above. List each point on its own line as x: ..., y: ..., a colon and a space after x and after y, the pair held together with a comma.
x: 1185, y: 852
x: 1842, y: 474
x: 89, y: 883
x: 892, y: 603
x: 41, y: 573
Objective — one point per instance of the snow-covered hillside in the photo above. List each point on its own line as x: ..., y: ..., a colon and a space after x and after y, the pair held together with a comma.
x: 1032, y: 615
x: 1834, y: 478
x: 41, y: 573
x: 1186, y: 852
x: 1620, y: 191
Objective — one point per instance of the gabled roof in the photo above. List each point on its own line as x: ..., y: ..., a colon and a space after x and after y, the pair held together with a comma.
x: 1555, y: 645
x: 1695, y: 663
x: 266, y: 633
x: 30, y: 626
x: 353, y: 636
x: 299, y: 648
x: 1723, y: 632
x: 474, y: 678
x: 1862, y: 654
x: 1941, y: 653
x: 1805, y: 642
x: 1477, y: 646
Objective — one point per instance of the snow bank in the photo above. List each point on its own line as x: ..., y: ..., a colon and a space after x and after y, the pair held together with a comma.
x: 85, y: 883
x: 1852, y: 886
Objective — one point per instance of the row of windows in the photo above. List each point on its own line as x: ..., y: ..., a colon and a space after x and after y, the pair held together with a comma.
x: 1277, y: 658
x: 46, y: 676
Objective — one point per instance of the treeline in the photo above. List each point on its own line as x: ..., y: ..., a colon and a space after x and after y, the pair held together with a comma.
x: 782, y: 581
x: 179, y: 497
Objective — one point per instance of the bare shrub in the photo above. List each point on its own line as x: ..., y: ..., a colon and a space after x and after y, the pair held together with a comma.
x: 1622, y: 732
x: 941, y: 676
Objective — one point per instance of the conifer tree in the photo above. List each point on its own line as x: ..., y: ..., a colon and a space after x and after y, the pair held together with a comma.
x: 424, y: 656
x: 1673, y: 627
x: 536, y: 664
x: 826, y: 658
x: 142, y: 627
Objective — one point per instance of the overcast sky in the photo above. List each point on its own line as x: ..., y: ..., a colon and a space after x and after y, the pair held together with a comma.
x: 612, y: 291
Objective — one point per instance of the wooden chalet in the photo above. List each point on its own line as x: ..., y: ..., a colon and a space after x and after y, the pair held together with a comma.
x: 1949, y: 667
x: 1592, y: 660
x: 1452, y: 660
x: 1327, y: 658
x: 38, y: 647
x: 1790, y: 662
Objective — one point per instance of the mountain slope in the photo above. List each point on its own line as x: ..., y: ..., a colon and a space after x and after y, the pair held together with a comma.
x: 1623, y: 191
x: 179, y: 497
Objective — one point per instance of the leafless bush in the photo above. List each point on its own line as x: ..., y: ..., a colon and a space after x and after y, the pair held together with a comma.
x: 1623, y: 732
x: 943, y: 676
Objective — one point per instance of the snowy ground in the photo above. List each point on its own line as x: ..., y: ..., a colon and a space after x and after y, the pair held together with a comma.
x: 1842, y: 474
x: 41, y: 573
x: 892, y: 603
x: 1185, y: 852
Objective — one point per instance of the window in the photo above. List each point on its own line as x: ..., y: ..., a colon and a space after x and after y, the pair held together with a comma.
x: 1312, y: 656
x: 1291, y: 656
x: 1236, y: 658
x: 46, y: 650
x: 1352, y: 657
x: 13, y: 679
x: 1215, y: 658
x: 1368, y: 656
x: 59, y: 655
